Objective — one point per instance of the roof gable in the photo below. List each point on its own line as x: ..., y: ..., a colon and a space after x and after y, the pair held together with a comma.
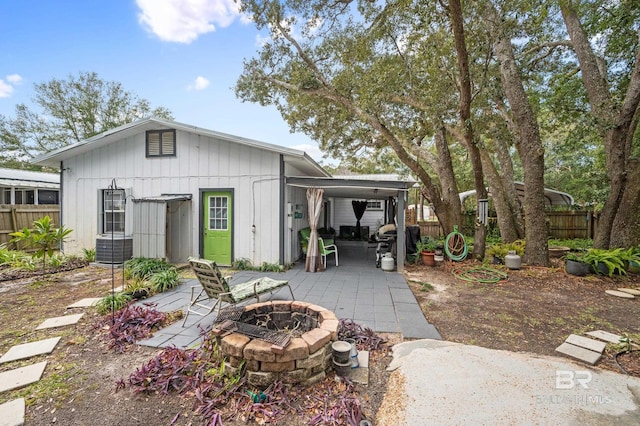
x: 300, y: 159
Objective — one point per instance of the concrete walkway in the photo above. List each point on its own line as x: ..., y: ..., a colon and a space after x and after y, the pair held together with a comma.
x: 356, y: 289
x: 445, y: 383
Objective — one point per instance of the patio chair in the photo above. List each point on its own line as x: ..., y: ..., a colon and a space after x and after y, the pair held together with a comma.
x: 325, y: 250
x: 215, y: 286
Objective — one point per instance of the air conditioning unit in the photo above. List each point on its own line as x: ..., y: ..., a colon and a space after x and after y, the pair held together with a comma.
x: 114, y: 249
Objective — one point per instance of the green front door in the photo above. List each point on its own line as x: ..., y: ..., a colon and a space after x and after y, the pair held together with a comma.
x: 217, y: 226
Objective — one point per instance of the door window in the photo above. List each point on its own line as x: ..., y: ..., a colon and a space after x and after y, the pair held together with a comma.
x: 218, y: 213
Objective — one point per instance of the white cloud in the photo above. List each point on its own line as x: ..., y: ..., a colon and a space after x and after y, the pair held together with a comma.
x: 14, y: 79
x: 6, y: 87
x: 200, y: 83
x: 183, y: 21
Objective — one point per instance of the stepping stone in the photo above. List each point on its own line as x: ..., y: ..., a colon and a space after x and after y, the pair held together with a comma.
x: 27, y: 350
x: 117, y: 289
x: 577, y: 352
x: 59, y: 321
x: 605, y: 335
x: 585, y: 342
x: 84, y: 303
x: 20, y: 377
x: 620, y: 294
x: 630, y: 291
x: 12, y: 413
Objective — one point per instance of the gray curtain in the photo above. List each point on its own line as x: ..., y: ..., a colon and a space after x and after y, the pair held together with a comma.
x: 314, y: 204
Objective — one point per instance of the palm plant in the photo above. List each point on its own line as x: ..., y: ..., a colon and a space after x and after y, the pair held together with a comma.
x: 44, y: 237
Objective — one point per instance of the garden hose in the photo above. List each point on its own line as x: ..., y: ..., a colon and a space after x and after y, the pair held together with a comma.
x: 455, y: 245
x: 483, y: 275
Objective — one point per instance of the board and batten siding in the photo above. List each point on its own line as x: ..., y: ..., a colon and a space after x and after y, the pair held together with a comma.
x: 201, y: 162
x: 344, y: 216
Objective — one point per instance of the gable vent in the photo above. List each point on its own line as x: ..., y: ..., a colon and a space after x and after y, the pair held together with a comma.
x: 161, y: 143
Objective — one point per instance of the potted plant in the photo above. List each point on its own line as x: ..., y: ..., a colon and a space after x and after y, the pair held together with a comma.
x: 575, y: 264
x: 634, y: 263
x: 137, y: 288
x: 427, y: 247
x: 606, y: 262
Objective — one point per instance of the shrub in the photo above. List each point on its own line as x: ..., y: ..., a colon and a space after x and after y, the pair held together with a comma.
x: 143, y: 268
x: 164, y: 280
x: 89, y: 254
x: 113, y: 302
x: 44, y: 237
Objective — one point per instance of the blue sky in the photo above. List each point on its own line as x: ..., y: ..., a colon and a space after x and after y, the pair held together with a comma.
x: 181, y: 54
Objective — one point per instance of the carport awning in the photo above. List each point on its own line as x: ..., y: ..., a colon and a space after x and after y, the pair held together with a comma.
x: 352, y: 188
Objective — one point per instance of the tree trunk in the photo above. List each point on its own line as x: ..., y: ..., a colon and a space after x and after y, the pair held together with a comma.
x: 510, y: 229
x: 446, y: 202
x: 528, y: 144
x: 615, y: 125
x: 464, y: 111
x: 626, y: 227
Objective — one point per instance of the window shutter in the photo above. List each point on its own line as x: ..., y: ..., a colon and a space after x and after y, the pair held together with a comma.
x: 153, y: 144
x: 168, y: 143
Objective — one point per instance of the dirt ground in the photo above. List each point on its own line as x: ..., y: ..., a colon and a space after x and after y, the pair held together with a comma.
x: 534, y: 310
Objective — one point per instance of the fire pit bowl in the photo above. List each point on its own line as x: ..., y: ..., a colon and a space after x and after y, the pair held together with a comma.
x: 279, y: 340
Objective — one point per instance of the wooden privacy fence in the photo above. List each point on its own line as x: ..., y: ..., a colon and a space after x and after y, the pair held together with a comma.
x: 560, y: 224
x: 15, y: 217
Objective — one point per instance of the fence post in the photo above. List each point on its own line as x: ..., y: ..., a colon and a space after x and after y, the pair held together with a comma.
x: 14, y: 224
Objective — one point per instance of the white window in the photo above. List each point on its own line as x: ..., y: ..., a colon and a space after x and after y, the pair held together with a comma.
x: 113, y: 210
x: 374, y: 204
x: 218, y: 213
x: 161, y: 143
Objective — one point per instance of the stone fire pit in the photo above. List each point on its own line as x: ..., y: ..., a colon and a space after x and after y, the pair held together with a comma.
x: 305, y: 359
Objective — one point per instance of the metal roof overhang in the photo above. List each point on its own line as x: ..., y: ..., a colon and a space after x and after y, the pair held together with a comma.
x: 28, y: 184
x: 552, y: 196
x: 165, y: 198
x: 352, y: 188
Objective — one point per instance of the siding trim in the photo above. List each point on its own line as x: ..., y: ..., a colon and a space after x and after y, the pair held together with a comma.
x: 282, y: 211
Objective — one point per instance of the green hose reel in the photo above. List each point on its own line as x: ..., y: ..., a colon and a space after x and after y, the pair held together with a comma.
x: 455, y: 245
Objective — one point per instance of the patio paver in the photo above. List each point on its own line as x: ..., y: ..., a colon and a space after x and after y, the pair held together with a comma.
x: 84, y: 303
x: 12, y: 413
x: 22, y: 376
x: 27, y: 350
x: 604, y: 335
x: 356, y: 290
x: 59, y: 321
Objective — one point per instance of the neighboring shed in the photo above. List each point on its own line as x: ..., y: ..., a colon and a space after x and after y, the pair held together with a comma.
x: 552, y: 197
x: 28, y: 187
x: 158, y: 188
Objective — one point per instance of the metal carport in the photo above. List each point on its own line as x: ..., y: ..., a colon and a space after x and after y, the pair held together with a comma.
x: 347, y: 187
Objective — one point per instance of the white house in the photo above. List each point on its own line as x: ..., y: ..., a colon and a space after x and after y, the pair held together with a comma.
x: 28, y: 187
x: 163, y: 189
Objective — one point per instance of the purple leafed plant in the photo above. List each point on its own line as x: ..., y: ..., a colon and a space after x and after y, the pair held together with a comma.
x: 365, y: 338
x: 130, y: 324
x: 337, y: 405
